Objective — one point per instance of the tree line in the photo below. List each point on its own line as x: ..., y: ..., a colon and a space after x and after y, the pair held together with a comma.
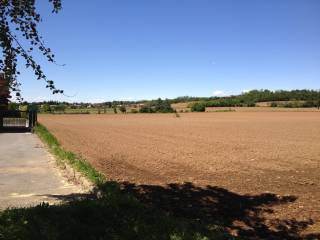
x: 293, y: 98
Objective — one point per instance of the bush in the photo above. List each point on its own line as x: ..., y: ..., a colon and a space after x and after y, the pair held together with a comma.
x: 146, y: 109
x: 198, y: 107
x: 23, y: 108
x: 133, y: 110
x: 13, y: 106
x: 60, y: 108
x: 46, y: 108
x: 251, y: 104
x: 162, y: 106
x: 123, y: 109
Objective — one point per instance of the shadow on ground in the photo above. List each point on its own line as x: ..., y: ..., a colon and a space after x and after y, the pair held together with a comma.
x: 243, y: 215
x: 175, y: 211
x: 14, y: 130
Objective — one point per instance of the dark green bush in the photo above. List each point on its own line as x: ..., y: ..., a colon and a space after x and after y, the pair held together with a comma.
x: 198, y: 107
x: 146, y: 109
x: 162, y: 106
x: 123, y: 109
x: 159, y: 106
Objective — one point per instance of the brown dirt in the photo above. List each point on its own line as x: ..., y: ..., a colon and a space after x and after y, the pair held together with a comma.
x: 247, y: 153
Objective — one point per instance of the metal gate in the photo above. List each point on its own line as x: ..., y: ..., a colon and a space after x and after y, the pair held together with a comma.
x: 17, y: 120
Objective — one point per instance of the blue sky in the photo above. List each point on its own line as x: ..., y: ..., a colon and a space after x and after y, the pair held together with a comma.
x: 144, y: 49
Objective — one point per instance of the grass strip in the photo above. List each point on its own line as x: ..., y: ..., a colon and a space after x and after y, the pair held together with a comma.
x: 67, y: 157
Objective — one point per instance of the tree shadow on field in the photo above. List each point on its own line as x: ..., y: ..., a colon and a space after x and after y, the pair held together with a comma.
x: 241, y: 215
x: 174, y: 212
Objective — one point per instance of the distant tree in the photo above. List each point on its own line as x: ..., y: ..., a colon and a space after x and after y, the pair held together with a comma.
x: 46, y: 108
x: 146, y: 109
x: 198, y: 107
x: 162, y: 106
x: 60, y: 108
x: 249, y: 99
x: 123, y: 109
x: 115, y: 109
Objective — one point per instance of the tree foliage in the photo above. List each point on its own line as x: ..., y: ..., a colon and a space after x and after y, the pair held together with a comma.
x: 294, y: 98
x: 123, y: 109
x: 159, y: 105
x: 19, y: 37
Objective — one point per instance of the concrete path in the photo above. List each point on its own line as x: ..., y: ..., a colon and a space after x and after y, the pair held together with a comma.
x: 28, y: 175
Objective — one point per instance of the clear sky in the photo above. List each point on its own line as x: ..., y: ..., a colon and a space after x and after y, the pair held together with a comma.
x: 144, y: 49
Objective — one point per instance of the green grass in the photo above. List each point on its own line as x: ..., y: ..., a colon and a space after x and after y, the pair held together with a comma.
x: 114, y: 214
x: 66, y: 157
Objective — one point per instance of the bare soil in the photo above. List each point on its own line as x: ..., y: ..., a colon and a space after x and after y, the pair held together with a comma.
x: 245, y: 153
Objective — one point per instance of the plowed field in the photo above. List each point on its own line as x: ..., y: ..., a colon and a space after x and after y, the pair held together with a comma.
x: 245, y: 153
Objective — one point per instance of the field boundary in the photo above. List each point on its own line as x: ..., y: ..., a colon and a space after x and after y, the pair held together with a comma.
x: 67, y: 159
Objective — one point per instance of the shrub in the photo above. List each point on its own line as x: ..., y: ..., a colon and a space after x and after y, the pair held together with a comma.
x: 123, y: 109
x: 251, y: 104
x: 13, y: 106
x: 60, y: 108
x: 162, y: 106
x: 133, y: 110
x: 146, y: 109
x: 198, y: 107
x: 23, y: 108
x: 46, y: 108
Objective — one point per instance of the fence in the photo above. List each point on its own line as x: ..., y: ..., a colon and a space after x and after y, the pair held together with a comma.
x: 17, y: 120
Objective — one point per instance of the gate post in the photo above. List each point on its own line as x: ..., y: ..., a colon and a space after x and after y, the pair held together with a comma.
x: 1, y: 119
x: 30, y: 119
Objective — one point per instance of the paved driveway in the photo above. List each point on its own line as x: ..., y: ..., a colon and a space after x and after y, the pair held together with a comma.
x: 28, y: 175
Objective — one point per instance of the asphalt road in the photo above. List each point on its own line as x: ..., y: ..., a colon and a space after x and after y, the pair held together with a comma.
x: 28, y: 175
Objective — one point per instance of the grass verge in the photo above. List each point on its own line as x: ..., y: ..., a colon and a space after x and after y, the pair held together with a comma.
x: 66, y: 157
x: 113, y: 215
